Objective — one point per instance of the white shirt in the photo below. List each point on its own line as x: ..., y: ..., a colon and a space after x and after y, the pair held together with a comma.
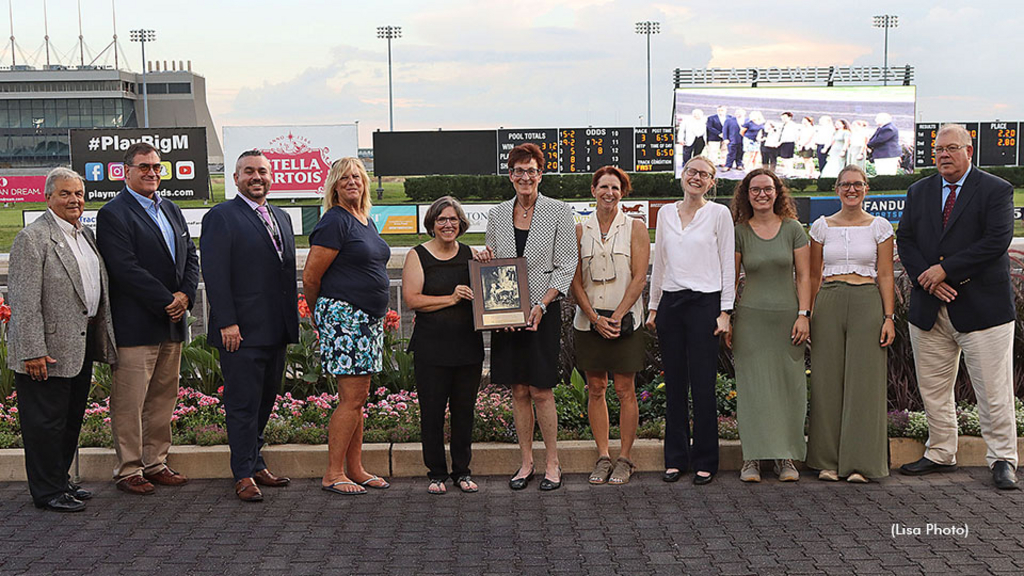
x: 700, y: 257
x: 850, y: 249
x: 88, y: 262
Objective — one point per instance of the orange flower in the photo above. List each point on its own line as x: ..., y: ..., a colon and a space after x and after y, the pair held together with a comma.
x: 5, y: 311
x: 391, y: 321
x: 303, y: 307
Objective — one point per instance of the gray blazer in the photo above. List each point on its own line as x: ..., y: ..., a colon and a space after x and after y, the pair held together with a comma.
x: 48, y: 314
x: 551, y: 253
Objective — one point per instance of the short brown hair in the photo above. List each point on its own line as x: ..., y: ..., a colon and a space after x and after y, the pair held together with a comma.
x: 742, y: 211
x: 525, y: 153
x: 437, y: 207
x: 624, y: 182
x: 136, y: 149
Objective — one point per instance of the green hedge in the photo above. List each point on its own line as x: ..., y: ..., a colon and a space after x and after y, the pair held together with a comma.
x: 645, y: 185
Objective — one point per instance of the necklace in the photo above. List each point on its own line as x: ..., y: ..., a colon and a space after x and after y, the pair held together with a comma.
x: 526, y: 211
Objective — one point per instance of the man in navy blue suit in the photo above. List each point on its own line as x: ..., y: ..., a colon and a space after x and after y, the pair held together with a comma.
x: 153, y: 271
x: 248, y: 252
x: 733, y: 140
x: 953, y: 237
x: 715, y: 143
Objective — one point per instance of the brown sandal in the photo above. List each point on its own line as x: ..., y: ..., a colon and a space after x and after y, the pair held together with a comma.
x: 624, y: 468
x: 602, y: 470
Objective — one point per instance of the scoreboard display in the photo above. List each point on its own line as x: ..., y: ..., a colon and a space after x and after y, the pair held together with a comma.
x: 546, y: 138
x: 924, y: 148
x: 587, y: 149
x: 998, y: 143
x: 655, y: 149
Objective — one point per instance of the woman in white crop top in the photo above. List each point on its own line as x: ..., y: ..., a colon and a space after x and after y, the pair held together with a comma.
x: 691, y: 295
x: 851, y: 326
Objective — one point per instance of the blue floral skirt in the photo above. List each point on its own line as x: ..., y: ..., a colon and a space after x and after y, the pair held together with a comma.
x: 351, y: 341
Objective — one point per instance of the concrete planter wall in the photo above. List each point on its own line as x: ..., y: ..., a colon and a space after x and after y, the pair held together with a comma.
x: 406, y: 460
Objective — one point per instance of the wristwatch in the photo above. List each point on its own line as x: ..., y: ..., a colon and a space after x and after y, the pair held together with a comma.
x: 804, y: 313
x: 889, y: 316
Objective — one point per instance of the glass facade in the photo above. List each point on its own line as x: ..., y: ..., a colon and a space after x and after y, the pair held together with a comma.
x: 35, y: 131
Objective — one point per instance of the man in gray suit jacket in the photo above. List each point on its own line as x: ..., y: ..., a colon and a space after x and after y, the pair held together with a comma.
x: 60, y: 323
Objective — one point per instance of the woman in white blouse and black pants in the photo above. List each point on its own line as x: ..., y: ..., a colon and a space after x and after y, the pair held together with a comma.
x: 851, y: 325
x: 692, y: 292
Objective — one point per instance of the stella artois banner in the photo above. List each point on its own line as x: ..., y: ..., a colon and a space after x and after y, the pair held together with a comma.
x: 300, y: 156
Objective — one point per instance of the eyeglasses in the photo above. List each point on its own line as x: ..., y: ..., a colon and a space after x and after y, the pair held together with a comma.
x: 446, y: 220
x: 952, y: 149
x: 767, y: 191
x: 531, y: 172
x: 691, y: 172
x: 157, y: 169
x: 858, y: 186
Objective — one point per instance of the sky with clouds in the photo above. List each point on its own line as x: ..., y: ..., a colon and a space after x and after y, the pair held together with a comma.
x: 463, y: 64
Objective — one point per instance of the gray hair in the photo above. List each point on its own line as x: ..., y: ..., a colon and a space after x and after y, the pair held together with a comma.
x: 56, y: 175
x: 962, y: 135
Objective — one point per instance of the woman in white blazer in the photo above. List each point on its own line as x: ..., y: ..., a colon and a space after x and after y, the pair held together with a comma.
x: 541, y: 230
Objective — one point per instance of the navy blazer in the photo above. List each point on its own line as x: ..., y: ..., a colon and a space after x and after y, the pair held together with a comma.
x: 731, y: 131
x: 143, y: 277
x: 246, y: 283
x: 885, y: 142
x: 714, y: 126
x: 971, y: 249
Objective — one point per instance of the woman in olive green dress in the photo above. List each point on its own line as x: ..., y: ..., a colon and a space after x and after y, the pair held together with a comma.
x: 770, y: 326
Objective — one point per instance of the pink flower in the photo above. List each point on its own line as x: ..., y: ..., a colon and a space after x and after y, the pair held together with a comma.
x: 391, y: 321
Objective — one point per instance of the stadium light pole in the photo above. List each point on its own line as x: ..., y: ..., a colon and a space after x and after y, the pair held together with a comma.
x: 885, y: 22
x: 647, y: 28
x: 388, y: 33
x: 142, y: 36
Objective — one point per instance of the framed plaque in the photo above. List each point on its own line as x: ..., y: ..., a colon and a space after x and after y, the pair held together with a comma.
x: 501, y: 293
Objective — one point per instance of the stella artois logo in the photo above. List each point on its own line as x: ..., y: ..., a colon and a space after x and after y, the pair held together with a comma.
x: 297, y: 165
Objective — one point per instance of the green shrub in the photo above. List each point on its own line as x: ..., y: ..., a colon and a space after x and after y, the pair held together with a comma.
x: 917, y: 426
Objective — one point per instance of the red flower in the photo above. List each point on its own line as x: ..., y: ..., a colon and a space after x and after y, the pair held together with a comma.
x: 5, y: 311
x: 391, y: 320
x: 303, y: 307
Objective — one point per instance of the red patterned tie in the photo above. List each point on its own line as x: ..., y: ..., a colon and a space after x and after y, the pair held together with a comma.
x: 950, y: 201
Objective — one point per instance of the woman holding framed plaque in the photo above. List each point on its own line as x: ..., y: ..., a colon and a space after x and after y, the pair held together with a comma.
x: 614, y: 252
x: 447, y: 352
x: 540, y: 230
x: 345, y: 281
x: 692, y: 292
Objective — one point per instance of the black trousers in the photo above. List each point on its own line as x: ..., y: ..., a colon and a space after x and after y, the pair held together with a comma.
x: 51, y: 413
x: 694, y: 150
x: 454, y: 388
x: 769, y: 156
x: 689, y: 353
x: 735, y: 155
x: 821, y: 151
x: 252, y: 379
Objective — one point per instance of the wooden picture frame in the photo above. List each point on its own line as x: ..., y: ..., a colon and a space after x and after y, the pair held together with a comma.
x: 501, y: 293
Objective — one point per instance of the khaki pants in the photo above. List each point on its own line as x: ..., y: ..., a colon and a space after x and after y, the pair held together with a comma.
x: 143, y: 395
x: 988, y: 354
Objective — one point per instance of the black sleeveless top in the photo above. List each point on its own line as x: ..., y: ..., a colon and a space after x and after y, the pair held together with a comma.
x: 446, y: 337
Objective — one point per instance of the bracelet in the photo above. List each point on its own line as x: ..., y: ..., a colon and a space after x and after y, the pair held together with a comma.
x: 543, y: 308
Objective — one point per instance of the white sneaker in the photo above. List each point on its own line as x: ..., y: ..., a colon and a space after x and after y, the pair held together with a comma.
x: 751, y: 471
x: 828, y: 475
x: 786, y: 471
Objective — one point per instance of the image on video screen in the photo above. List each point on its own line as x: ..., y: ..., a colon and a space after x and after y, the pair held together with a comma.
x: 800, y: 132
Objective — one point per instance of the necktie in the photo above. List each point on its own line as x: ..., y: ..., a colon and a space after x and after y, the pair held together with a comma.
x: 271, y: 228
x: 950, y: 201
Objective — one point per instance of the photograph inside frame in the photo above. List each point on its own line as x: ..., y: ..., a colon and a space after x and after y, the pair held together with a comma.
x: 504, y: 293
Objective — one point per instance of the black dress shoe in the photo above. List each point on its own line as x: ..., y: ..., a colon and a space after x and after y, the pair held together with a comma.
x: 672, y: 476
x: 549, y: 485
x: 925, y: 466
x: 520, y: 483
x: 699, y: 480
x: 62, y: 503
x: 1004, y: 476
x: 78, y: 492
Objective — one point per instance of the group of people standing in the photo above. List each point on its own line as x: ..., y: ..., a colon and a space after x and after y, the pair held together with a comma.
x: 803, y: 148
x: 121, y: 297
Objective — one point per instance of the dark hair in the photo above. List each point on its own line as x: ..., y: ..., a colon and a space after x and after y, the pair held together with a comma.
x: 525, y: 153
x: 437, y: 207
x: 247, y: 153
x: 846, y: 125
x: 742, y: 211
x: 624, y: 183
x: 136, y: 149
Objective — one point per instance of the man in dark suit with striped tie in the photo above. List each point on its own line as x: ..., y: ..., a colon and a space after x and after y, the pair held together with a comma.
x: 248, y: 262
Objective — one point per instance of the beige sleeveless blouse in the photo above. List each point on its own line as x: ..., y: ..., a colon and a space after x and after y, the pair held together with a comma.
x: 606, y: 268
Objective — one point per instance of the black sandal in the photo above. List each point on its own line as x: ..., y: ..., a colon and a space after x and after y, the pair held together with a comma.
x: 467, y: 479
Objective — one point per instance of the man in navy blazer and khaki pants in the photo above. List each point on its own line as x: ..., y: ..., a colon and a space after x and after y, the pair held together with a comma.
x: 154, y: 272
x: 248, y: 252
x: 953, y: 237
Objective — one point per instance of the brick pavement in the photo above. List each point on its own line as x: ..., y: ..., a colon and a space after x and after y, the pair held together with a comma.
x: 647, y: 527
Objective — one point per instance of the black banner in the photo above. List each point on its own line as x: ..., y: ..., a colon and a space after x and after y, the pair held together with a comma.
x: 98, y: 155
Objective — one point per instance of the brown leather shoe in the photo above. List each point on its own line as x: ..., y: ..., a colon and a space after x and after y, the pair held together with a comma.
x: 135, y: 485
x: 167, y: 477
x: 247, y: 491
x: 266, y: 478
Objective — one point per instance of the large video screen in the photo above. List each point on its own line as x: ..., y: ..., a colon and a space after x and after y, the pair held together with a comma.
x: 801, y: 132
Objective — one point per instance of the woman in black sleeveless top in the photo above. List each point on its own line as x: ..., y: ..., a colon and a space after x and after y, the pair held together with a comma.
x: 448, y: 352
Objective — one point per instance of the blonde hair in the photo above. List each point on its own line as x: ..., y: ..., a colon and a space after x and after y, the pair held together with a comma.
x: 340, y: 168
